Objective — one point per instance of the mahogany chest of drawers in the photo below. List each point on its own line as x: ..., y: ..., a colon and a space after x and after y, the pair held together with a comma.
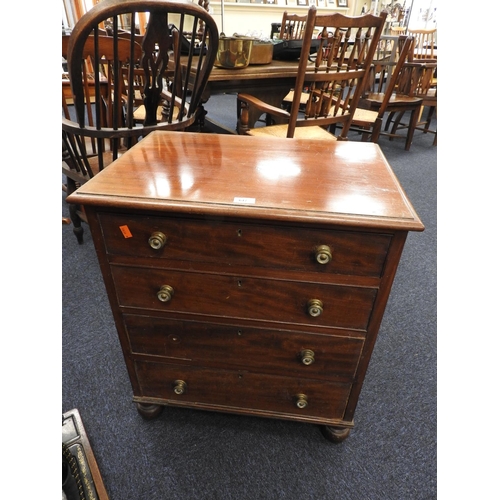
x: 248, y: 275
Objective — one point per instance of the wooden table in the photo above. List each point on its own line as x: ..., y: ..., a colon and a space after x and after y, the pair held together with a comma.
x: 269, y: 82
x: 248, y: 275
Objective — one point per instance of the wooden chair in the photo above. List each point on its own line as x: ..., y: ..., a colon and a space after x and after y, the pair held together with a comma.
x: 333, y: 83
x: 424, y: 43
x: 293, y: 26
x: 429, y: 103
x: 99, y: 126
x: 421, y: 80
x: 398, y: 30
x: 378, y: 96
x: 411, y: 85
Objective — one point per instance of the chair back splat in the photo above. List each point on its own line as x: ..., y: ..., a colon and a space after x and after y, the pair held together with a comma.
x: 326, y: 90
x: 130, y: 77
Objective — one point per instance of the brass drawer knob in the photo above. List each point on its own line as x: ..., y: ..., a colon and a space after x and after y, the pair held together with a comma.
x: 301, y: 401
x: 323, y: 254
x: 307, y: 356
x: 180, y: 387
x: 157, y: 240
x: 315, y: 307
x: 165, y: 293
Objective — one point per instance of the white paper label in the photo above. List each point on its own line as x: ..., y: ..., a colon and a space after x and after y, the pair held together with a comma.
x: 247, y: 201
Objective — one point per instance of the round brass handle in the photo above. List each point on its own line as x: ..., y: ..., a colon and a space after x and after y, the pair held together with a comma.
x: 315, y: 307
x: 301, y: 401
x: 180, y: 387
x: 165, y: 293
x: 157, y: 240
x: 323, y: 254
x: 307, y: 356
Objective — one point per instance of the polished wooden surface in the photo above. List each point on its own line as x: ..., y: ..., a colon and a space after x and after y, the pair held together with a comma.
x: 348, y: 183
x: 224, y: 78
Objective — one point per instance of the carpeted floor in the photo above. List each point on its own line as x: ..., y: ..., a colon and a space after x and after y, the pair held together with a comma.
x: 196, y: 455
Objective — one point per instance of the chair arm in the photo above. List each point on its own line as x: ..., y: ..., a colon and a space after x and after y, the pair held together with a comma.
x: 262, y: 106
x: 245, y: 101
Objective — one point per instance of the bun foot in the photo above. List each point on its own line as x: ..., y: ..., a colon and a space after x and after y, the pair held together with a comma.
x: 334, y: 434
x: 149, y: 411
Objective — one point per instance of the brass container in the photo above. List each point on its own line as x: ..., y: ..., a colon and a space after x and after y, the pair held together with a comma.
x: 262, y: 52
x: 234, y: 51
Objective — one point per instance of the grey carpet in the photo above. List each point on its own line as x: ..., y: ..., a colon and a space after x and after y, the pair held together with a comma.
x: 192, y: 455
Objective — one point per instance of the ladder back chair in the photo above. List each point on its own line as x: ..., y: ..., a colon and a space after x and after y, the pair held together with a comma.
x: 379, y: 93
x: 292, y: 26
x: 424, y: 43
x: 172, y: 60
x: 333, y: 82
x: 418, y: 80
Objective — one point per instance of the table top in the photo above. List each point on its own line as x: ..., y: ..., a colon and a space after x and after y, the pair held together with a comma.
x: 275, y: 69
x: 337, y: 183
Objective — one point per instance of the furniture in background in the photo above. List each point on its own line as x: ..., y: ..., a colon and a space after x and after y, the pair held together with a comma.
x: 430, y: 103
x: 422, y: 84
x: 247, y: 275
x: 410, y: 87
x: 292, y: 26
x: 398, y: 30
x: 378, y: 96
x: 333, y: 83
x: 387, y: 54
x: 267, y: 81
x: 106, y: 118
x: 425, y: 43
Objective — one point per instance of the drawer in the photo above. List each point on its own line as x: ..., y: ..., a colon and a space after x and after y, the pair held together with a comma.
x: 228, y: 346
x: 242, y: 392
x: 244, y: 244
x: 244, y: 297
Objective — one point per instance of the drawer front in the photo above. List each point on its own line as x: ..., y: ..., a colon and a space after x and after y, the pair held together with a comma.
x: 242, y: 391
x: 249, y: 298
x: 276, y: 247
x: 267, y: 351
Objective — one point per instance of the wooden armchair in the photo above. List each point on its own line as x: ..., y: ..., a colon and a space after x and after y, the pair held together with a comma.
x: 99, y: 125
x: 333, y: 83
x: 379, y: 93
x: 420, y: 82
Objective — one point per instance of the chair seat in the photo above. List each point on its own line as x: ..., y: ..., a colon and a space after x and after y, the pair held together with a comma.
x: 303, y: 97
x: 378, y: 97
x: 365, y: 115
x: 140, y: 113
x: 313, y: 132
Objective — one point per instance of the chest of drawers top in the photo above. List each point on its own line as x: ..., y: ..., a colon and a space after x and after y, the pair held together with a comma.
x: 346, y: 183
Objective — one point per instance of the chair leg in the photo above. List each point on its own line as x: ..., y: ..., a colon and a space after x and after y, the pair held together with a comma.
x: 395, y: 123
x: 411, y: 128
x: 377, y: 127
x: 389, y: 120
x: 428, y: 119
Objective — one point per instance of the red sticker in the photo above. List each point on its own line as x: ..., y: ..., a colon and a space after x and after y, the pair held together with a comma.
x: 126, y: 232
